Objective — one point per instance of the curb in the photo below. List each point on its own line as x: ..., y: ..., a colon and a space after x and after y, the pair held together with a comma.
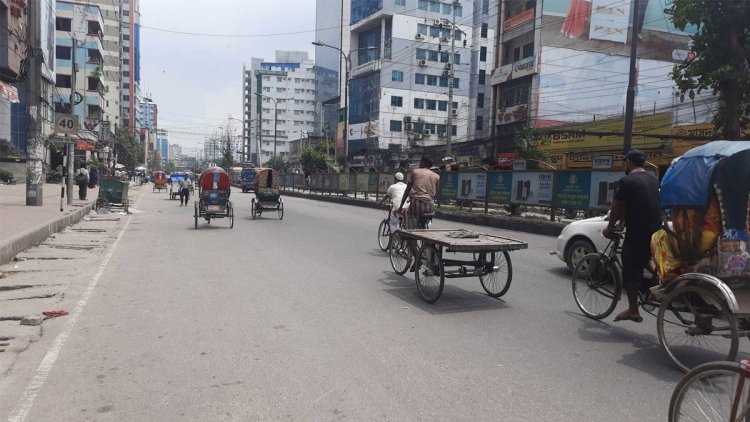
x: 33, y: 236
x: 527, y: 225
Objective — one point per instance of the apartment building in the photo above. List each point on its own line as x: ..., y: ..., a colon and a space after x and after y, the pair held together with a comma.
x: 162, y: 145
x: 287, y: 87
x: 130, y: 65
x: 332, y: 32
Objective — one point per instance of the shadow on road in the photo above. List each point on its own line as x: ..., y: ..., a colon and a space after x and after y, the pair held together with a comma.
x: 561, y: 272
x: 649, y: 357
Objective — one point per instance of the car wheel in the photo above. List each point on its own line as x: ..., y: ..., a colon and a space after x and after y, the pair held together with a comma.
x: 577, y: 250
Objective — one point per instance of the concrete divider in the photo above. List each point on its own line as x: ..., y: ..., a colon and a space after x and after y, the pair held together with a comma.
x: 528, y: 225
x: 19, y: 243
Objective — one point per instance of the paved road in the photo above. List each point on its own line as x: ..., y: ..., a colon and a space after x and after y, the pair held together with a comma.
x: 302, y: 319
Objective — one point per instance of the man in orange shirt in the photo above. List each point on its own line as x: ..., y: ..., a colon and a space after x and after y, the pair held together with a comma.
x: 424, y: 186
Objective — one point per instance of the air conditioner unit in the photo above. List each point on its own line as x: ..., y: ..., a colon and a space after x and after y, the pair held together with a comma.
x: 427, y: 132
x: 454, y: 112
x: 446, y: 72
x: 409, y: 127
x: 438, y: 22
x: 407, y: 119
x: 445, y: 22
x: 417, y: 136
x: 419, y: 36
x: 444, y: 39
x: 423, y: 62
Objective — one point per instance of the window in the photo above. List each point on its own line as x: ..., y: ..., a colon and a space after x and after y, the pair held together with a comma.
x: 443, y: 105
x: 445, y: 57
x: 516, y: 54
x: 479, y: 123
x: 126, y: 86
x: 444, y: 82
x: 397, y: 76
x: 455, y: 82
x: 400, y: 2
x: 421, y: 54
x: 432, y: 80
x: 447, y: 9
x: 418, y: 103
x: 484, y: 31
x: 125, y: 37
x: 430, y: 127
x: 434, y: 31
x: 63, y: 53
x: 514, y: 95
x: 62, y: 81
x: 528, y: 50
x: 455, y: 105
x: 480, y: 100
x: 126, y: 74
x: 457, y: 34
x: 422, y: 28
x: 454, y: 130
x: 125, y: 61
x: 445, y: 33
x: 482, y: 76
x: 419, y: 79
x: 397, y: 101
x: 441, y: 130
x: 431, y: 105
x: 485, y: 6
x: 456, y: 58
x: 63, y: 24
x: 434, y: 6
x: 126, y: 49
x: 433, y: 56
x: 396, y: 126
x: 459, y: 11
x: 422, y: 5
x: 482, y: 54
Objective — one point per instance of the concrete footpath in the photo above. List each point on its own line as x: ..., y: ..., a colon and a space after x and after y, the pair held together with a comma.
x: 477, y: 217
x: 23, y: 226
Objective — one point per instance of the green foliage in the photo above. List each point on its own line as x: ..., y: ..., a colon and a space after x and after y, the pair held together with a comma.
x: 169, y: 167
x: 7, y: 149
x: 129, y: 149
x: 526, y: 144
x: 722, y: 61
x: 314, y: 157
x: 6, y: 175
x: 276, y: 163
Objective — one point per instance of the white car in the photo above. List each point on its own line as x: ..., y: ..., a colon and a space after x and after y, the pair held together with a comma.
x: 580, y: 238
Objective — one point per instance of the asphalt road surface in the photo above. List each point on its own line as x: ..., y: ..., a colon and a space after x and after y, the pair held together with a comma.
x: 303, y: 319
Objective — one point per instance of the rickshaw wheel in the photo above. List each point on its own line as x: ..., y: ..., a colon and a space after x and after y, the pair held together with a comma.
x: 430, y: 274
x: 252, y: 208
x: 499, y: 273
x: 280, y: 209
x: 126, y: 205
x: 596, y: 285
x: 196, y: 214
x: 101, y: 204
x: 399, y: 254
x: 695, y: 326
x: 231, y: 216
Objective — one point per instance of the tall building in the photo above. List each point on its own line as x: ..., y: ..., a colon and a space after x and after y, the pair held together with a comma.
x: 565, y: 69
x: 162, y: 145
x: 110, y: 65
x: 130, y: 69
x: 402, y: 71
x: 332, y: 29
x: 175, y: 153
x: 149, y: 115
x: 293, y: 95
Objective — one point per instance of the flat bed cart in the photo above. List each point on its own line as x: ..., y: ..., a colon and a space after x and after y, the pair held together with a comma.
x: 490, y: 260
x: 113, y: 192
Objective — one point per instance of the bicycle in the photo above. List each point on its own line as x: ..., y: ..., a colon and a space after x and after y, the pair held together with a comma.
x: 401, y: 251
x: 384, y: 231
x: 714, y: 391
x: 691, y: 319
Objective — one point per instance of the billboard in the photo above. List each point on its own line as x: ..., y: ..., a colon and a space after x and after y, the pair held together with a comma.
x: 448, y: 185
x: 500, y: 186
x: 532, y: 188
x: 472, y: 186
x: 605, y: 26
x: 603, y: 188
x: 572, y: 189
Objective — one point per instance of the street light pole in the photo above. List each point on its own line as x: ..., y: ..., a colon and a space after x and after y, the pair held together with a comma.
x: 275, y: 120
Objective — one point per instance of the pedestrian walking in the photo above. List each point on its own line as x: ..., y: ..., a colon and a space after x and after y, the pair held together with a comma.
x: 184, y: 191
x: 93, y: 178
x: 82, y: 179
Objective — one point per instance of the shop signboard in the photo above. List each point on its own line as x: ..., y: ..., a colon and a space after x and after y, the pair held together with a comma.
x: 448, y: 185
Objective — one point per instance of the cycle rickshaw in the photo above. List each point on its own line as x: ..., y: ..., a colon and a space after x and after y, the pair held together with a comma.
x: 160, y: 181
x: 267, y: 196
x: 702, y: 298
x: 213, y: 197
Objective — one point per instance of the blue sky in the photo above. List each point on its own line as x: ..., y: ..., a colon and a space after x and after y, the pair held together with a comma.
x: 196, y: 80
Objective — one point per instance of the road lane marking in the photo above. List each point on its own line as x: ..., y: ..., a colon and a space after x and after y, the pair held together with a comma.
x: 23, y: 407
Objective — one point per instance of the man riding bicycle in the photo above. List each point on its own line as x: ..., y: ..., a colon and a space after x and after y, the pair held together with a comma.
x: 395, y: 193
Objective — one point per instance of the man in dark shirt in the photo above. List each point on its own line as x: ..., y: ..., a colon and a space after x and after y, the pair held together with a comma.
x: 637, y: 205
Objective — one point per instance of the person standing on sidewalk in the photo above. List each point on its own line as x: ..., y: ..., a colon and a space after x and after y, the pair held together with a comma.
x: 184, y: 191
x: 82, y: 179
x: 93, y: 178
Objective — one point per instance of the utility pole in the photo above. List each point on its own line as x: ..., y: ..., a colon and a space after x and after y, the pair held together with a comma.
x: 449, y: 129
x: 34, y: 163
x: 70, y: 146
x: 630, y: 98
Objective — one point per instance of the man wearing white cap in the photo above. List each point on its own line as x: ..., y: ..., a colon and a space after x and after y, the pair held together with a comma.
x: 395, y: 193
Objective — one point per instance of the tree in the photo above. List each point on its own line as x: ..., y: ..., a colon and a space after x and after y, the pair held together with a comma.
x: 314, y: 157
x: 276, y: 163
x: 722, y: 58
x: 128, y: 149
x: 526, y: 144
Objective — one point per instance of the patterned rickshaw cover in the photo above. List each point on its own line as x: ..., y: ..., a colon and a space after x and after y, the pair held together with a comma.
x: 214, y: 178
x: 267, y: 180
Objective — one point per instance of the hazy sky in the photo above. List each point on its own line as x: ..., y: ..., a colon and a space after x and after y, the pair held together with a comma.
x: 197, y: 80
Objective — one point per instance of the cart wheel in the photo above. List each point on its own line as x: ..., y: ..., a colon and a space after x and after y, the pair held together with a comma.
x: 706, y: 393
x: 496, y: 274
x: 101, y: 204
x: 695, y: 326
x: 196, y: 214
x: 384, y: 235
x: 252, y: 208
x: 400, y: 254
x: 430, y: 274
x: 280, y: 209
x: 596, y: 285
x: 126, y: 205
x: 231, y: 217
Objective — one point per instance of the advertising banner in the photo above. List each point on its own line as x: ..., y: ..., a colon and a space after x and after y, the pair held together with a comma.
x: 573, y: 189
x: 499, y: 186
x: 344, y: 182
x: 299, y: 180
x: 532, y: 188
x: 603, y: 188
x: 362, y: 182
x: 332, y: 182
x: 472, y: 186
x: 448, y: 185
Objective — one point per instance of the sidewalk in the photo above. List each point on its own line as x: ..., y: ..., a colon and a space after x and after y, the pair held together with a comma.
x: 22, y: 226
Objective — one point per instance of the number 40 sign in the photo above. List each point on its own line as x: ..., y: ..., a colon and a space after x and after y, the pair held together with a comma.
x: 66, y: 123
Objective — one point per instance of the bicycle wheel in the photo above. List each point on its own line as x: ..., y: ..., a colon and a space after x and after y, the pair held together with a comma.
x: 280, y: 209
x: 715, y: 391
x: 596, y: 285
x: 695, y: 326
x: 231, y: 217
x: 400, y: 254
x: 101, y: 204
x: 195, y: 215
x: 253, y: 211
x: 430, y: 274
x: 384, y: 235
x: 497, y: 273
